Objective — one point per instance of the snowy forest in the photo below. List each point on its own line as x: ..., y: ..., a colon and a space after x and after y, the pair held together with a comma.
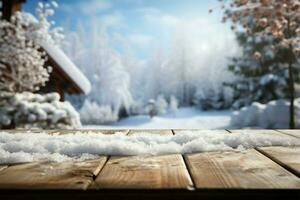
x: 241, y: 70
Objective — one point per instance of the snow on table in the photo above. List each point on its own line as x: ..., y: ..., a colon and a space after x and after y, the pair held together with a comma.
x: 83, y: 145
x: 205, y: 174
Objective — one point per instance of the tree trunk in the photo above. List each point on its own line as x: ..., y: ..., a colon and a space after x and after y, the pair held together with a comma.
x: 292, y: 96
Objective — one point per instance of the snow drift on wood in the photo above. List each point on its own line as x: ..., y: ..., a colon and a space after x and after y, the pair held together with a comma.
x: 274, y: 114
x: 28, y: 147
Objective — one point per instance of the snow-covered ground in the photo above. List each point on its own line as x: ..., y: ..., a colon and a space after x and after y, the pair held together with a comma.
x: 184, y: 118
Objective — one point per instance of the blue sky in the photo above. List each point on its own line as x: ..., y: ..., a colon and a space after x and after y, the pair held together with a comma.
x: 143, y: 23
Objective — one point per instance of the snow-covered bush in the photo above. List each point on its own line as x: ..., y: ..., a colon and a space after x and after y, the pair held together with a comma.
x: 93, y: 113
x: 137, y: 108
x: 154, y: 107
x: 213, y: 98
x: 28, y: 110
x: 21, y: 61
x: 173, y: 106
x: 161, y: 105
x: 274, y: 114
x: 157, y: 107
x: 150, y: 108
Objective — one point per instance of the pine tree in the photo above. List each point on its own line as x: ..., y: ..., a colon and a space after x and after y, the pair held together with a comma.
x: 104, y: 68
x: 279, y: 19
x: 260, y: 76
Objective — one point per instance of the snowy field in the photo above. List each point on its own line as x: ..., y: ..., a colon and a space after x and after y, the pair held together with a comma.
x: 184, y: 118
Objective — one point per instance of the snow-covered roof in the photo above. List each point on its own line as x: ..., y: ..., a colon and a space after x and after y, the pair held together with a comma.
x: 61, y: 59
x: 68, y: 66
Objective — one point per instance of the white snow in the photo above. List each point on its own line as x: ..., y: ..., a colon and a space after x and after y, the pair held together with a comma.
x: 68, y: 66
x: 92, y: 113
x: 274, y: 114
x: 183, y: 118
x: 28, y: 147
x: 29, y: 110
x: 48, y: 42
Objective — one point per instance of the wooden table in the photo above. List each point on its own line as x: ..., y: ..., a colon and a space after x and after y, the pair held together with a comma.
x: 260, y: 173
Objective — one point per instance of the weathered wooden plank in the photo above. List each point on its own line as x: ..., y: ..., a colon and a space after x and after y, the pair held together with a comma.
x: 144, y: 172
x: 278, y: 154
x: 288, y: 157
x: 51, y: 175
x: 156, y: 132
x: 293, y: 132
x: 247, y: 169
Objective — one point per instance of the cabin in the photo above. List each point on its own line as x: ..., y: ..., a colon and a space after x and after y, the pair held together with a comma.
x: 65, y: 77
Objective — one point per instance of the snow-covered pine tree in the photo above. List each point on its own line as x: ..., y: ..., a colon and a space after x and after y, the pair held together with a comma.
x: 279, y: 19
x: 260, y: 77
x: 179, y: 68
x: 104, y: 68
x: 173, y: 106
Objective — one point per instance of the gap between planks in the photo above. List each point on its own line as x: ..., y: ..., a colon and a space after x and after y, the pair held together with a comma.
x: 126, y: 132
x: 52, y: 175
x: 286, y: 157
x: 247, y: 169
x: 193, y: 179
x: 291, y: 132
x: 144, y: 172
x: 193, y: 186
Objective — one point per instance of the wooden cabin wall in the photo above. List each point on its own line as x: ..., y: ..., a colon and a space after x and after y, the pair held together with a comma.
x: 9, y: 7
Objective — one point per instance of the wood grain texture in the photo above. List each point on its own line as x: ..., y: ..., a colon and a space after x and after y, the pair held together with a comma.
x: 144, y: 172
x: 247, y: 169
x: 288, y: 157
x: 294, y: 132
x: 51, y: 175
